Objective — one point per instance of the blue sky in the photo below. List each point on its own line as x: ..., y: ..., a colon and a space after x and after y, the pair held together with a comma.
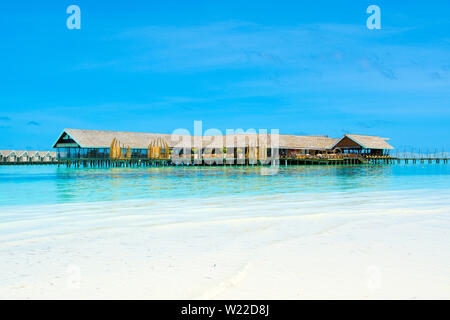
x: 154, y: 66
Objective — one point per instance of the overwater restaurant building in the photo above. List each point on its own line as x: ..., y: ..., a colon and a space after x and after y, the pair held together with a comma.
x: 362, y: 144
x: 95, y: 144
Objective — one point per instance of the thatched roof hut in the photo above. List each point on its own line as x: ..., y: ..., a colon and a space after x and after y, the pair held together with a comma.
x: 25, y: 156
x: 102, y: 139
x: 42, y: 155
x: 6, y: 153
x: 357, y: 141
x: 22, y: 155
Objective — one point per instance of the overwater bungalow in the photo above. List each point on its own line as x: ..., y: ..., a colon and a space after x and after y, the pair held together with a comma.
x: 7, y: 156
x: 22, y: 156
x: 88, y: 145
x: 41, y: 156
x: 27, y: 157
x: 47, y: 156
x: 362, y: 144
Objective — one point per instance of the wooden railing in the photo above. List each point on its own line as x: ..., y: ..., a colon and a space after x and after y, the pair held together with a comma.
x: 323, y: 156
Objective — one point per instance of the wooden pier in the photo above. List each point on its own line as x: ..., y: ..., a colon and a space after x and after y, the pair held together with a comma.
x: 408, y: 160
x: 135, y: 163
x: 27, y: 163
x: 113, y: 163
x: 129, y: 163
x: 180, y: 162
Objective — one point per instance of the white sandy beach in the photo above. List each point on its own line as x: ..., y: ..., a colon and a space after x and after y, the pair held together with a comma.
x: 326, y: 246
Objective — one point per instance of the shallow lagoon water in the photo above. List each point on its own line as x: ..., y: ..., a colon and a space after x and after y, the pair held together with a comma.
x: 225, y: 232
x: 27, y: 185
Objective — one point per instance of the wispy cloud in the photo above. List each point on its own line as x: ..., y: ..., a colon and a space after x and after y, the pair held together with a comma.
x: 329, y: 61
x: 307, y: 51
x: 380, y: 65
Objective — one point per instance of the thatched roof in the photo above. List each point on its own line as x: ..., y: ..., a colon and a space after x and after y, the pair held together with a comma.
x: 306, y: 142
x: 20, y: 153
x: 40, y: 154
x: 6, y: 153
x: 368, y: 142
x: 44, y: 153
x: 135, y: 140
x: 284, y: 141
x: 34, y: 153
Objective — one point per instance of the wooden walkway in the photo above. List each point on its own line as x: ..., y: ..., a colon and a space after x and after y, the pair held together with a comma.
x: 27, y: 163
x: 394, y: 160
x: 133, y: 163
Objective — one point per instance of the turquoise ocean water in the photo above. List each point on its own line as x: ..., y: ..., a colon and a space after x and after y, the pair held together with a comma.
x: 29, y: 185
x: 123, y: 221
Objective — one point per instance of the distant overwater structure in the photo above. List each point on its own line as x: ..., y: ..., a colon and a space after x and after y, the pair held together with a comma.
x: 76, y: 147
x: 12, y: 157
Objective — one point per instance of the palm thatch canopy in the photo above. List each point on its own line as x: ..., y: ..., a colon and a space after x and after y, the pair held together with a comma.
x: 23, y: 153
x: 102, y: 139
x: 307, y: 142
x: 7, y: 153
x: 46, y: 153
x: 31, y: 154
x: 283, y: 141
x: 363, y: 141
x: 40, y: 154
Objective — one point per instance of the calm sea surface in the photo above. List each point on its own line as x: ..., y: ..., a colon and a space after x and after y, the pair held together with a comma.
x: 28, y: 185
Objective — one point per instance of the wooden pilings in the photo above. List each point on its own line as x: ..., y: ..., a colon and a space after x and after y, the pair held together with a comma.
x: 113, y: 163
x: 139, y: 163
x: 27, y: 163
x: 134, y: 163
x: 408, y: 160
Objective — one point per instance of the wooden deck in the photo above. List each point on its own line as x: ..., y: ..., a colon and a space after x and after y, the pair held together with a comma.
x: 334, y: 161
x: 27, y: 163
x: 120, y: 163
x: 407, y: 160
